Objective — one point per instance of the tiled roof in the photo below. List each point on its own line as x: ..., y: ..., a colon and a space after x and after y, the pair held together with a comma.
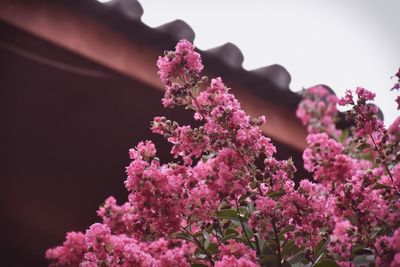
x: 124, y: 16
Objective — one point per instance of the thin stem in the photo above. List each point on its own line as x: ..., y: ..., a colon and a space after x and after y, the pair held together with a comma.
x: 242, y: 224
x: 257, y: 245
x: 378, y: 149
x: 351, y: 248
x: 370, y: 241
x: 277, y: 242
x: 218, y: 228
x: 382, y: 155
x: 384, y: 163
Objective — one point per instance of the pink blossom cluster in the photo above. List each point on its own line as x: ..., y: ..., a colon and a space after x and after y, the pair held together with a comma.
x: 388, y: 250
x: 342, y: 238
x: 236, y: 254
x: 176, y: 69
x: 364, y: 115
x: 71, y: 253
x: 226, y: 201
x: 318, y: 110
x: 364, y: 194
x: 155, y: 198
x: 99, y: 246
x: 324, y: 157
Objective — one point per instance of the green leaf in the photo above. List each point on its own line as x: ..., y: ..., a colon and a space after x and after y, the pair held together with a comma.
x: 326, y: 263
x: 184, y: 236
x: 199, y: 253
x: 298, y: 257
x: 277, y: 194
x: 243, y: 211
x: 381, y: 186
x: 199, y: 235
x: 212, y: 248
x: 227, y: 237
x: 270, y: 260
x: 266, y: 248
x: 206, y: 239
x: 231, y: 231
x: 321, y: 247
x: 210, y: 229
x: 363, y: 146
x: 357, y: 249
x: 289, y: 248
x: 227, y: 214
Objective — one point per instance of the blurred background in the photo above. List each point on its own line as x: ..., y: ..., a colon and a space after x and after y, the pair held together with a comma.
x: 80, y: 86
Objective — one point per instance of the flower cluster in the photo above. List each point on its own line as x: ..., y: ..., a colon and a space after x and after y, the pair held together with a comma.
x: 388, y: 250
x: 226, y: 201
x: 72, y: 251
x: 177, y: 69
x: 318, y: 110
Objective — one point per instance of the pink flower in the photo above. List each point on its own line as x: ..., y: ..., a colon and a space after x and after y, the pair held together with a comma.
x: 174, y: 257
x: 324, y: 157
x: 183, y: 60
x: 364, y: 94
x: 347, y: 99
x: 97, y: 234
x: 134, y: 256
x: 112, y: 215
x: 318, y: 111
x: 201, y: 203
x: 182, y: 65
x: 388, y: 250
x: 342, y: 238
x: 70, y: 253
x: 243, y: 254
x: 188, y: 143
x: 146, y: 149
x: 235, y: 262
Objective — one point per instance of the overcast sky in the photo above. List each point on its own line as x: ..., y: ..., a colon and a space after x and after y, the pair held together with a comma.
x: 340, y: 43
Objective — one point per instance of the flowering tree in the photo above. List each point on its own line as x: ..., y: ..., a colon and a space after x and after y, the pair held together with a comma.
x: 226, y: 201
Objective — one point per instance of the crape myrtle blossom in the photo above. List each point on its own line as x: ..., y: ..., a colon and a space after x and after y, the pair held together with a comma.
x: 365, y: 193
x: 175, y: 69
x: 236, y: 254
x: 342, y: 238
x: 388, y: 250
x: 324, y: 156
x: 364, y: 115
x: 225, y: 200
x: 318, y: 110
x: 70, y: 253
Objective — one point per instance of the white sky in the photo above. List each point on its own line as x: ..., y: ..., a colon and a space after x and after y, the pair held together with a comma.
x: 340, y: 43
